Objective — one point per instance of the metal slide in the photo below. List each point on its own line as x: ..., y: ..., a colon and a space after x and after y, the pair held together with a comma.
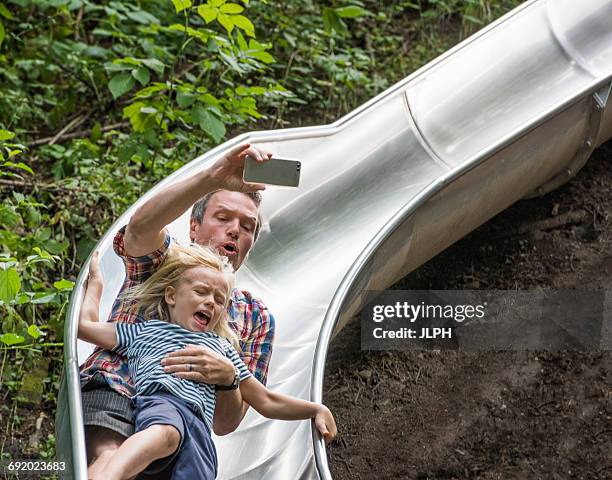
x: 513, y: 111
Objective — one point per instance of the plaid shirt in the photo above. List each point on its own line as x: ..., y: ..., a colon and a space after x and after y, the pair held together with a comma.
x: 249, y: 317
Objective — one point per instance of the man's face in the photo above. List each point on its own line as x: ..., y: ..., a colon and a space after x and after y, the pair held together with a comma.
x: 228, y: 225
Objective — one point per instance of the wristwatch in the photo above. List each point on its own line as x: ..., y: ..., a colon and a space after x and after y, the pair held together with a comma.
x: 232, y: 386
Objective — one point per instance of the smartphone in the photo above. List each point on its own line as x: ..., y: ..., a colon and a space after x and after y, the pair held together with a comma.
x: 276, y: 171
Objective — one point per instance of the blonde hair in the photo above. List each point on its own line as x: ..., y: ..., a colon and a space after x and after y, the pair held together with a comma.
x: 149, y: 297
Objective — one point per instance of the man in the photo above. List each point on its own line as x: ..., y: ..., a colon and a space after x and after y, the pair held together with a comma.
x: 225, y: 217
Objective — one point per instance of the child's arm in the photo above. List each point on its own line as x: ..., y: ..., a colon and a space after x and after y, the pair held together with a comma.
x: 90, y: 329
x: 283, y: 407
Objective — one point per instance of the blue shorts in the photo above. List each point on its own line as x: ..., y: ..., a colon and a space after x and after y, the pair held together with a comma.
x: 196, y: 457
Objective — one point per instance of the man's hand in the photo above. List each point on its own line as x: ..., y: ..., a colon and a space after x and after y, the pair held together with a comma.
x: 227, y: 171
x: 199, y: 364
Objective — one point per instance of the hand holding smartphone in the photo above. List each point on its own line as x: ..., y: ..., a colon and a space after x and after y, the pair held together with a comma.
x: 276, y: 171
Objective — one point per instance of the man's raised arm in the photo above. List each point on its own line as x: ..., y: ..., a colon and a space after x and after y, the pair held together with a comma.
x: 145, y: 232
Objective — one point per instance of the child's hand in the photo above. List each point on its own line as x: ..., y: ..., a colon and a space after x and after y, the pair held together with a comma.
x: 95, y: 284
x: 325, y: 423
x: 95, y: 275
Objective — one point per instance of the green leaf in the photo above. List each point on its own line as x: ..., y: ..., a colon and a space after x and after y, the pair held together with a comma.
x: 142, y: 17
x: 143, y: 152
x: 352, y: 11
x: 121, y: 84
x: 142, y: 75
x: 242, y: 45
x: 42, y: 253
x: 207, y: 13
x: 11, y: 339
x: 245, y: 24
x: 64, y: 284
x: 192, y: 32
x: 22, y: 299
x: 32, y: 259
x: 154, y: 64
x: 6, y: 135
x: 332, y: 22
x: 8, y: 216
x: 181, y: 5
x: 216, y: 3
x: 124, y: 154
x: 24, y: 167
x: 5, y: 12
x: 242, y: 90
x: 209, y: 99
x: 150, y: 90
x: 96, y: 132
x: 231, y: 60
x: 208, y: 122
x: 96, y: 52
x: 43, y: 297
x: 34, y: 331
x: 42, y: 235
x: 472, y: 19
x: 227, y: 21
x: 185, y: 99
x: 2, y: 34
x: 231, y: 8
x: 261, y: 55
x: 136, y: 118
x: 55, y: 247
x: 10, y: 284
x: 123, y: 62
x: 328, y: 15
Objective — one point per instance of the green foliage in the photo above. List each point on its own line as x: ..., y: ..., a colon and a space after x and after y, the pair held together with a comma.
x: 26, y: 256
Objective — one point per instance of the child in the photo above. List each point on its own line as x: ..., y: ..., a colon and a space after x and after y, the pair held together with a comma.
x: 184, y: 302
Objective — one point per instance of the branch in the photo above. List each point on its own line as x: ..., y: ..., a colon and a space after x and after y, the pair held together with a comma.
x: 559, y: 221
x: 79, y: 134
x: 38, y: 186
x: 553, y: 223
x: 79, y: 120
x: 77, y: 25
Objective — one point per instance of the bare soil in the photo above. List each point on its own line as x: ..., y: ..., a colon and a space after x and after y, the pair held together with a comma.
x: 489, y: 415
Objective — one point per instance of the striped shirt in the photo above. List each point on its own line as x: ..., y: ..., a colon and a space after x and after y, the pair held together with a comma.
x: 146, y: 343
x: 248, y: 316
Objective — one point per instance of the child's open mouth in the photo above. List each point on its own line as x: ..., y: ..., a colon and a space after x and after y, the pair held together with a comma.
x: 202, y: 318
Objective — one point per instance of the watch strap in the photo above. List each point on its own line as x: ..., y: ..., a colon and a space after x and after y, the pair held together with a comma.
x: 232, y: 386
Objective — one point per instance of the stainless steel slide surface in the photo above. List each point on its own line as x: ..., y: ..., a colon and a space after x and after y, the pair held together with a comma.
x: 512, y: 111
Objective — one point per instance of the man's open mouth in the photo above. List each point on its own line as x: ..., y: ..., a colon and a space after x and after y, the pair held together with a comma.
x: 202, y: 318
x: 228, y: 249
